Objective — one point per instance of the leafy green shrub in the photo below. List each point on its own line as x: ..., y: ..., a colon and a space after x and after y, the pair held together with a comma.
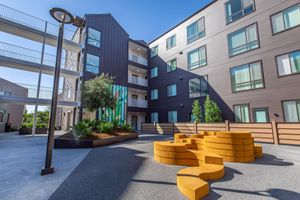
x: 81, y: 130
x: 39, y: 125
x: 91, y: 123
x: 197, y: 111
x: 27, y: 125
x: 212, y: 111
x: 127, y: 128
x: 105, y: 127
x: 115, y: 123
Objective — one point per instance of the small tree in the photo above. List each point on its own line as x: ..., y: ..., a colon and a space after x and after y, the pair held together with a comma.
x: 97, y: 93
x: 212, y: 111
x: 197, y: 111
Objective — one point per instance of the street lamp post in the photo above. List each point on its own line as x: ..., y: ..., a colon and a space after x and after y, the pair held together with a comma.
x: 63, y: 17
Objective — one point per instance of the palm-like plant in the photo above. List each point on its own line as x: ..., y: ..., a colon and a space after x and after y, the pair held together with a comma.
x: 82, y: 130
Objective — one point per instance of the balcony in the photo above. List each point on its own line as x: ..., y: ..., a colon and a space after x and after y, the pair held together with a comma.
x: 137, y: 59
x: 137, y: 81
x: 139, y: 103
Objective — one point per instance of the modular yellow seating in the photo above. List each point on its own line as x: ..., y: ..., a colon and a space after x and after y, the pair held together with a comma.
x: 205, y: 153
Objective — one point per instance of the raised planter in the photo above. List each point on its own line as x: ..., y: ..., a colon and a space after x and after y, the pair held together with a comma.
x: 28, y: 131
x: 64, y: 143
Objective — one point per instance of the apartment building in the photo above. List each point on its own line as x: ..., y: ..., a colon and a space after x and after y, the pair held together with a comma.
x: 244, y: 53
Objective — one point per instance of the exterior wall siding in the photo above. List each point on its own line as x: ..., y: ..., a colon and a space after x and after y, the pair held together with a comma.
x: 219, y: 63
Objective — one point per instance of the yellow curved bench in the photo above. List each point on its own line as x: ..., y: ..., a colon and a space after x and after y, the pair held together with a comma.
x: 205, y: 152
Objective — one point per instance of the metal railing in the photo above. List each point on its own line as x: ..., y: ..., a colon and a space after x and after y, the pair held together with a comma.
x: 32, y: 22
x: 139, y: 103
x: 30, y: 55
x: 137, y: 59
x: 137, y: 81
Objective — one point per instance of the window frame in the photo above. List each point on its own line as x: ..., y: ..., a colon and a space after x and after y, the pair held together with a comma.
x: 169, y: 65
x: 261, y: 108
x: 168, y: 89
x: 258, y: 40
x: 283, y: 20
x: 262, y: 74
x: 155, y: 89
x: 176, y: 116
x: 169, y: 38
x: 151, y: 77
x: 282, y: 110
x: 151, y: 55
x: 151, y: 117
x: 204, y: 30
x: 87, y: 40
x: 227, y: 23
x: 206, y: 79
x: 277, y: 69
x: 206, y: 62
x: 85, y: 67
x: 249, y: 112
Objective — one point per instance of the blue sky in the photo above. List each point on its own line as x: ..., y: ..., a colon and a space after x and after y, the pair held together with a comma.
x: 142, y: 19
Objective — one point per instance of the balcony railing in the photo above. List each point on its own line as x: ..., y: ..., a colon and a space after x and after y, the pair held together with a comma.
x: 137, y: 59
x: 139, y: 103
x: 30, y: 55
x: 137, y: 81
x: 32, y: 22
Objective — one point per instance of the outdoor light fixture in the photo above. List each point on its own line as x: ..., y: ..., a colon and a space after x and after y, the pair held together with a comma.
x: 63, y: 17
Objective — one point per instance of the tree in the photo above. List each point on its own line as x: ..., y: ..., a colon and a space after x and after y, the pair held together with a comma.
x: 197, y: 111
x: 97, y: 93
x: 212, y: 111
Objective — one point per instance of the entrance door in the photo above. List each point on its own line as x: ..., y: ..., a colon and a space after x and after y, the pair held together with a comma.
x: 134, y: 122
x: 68, y: 121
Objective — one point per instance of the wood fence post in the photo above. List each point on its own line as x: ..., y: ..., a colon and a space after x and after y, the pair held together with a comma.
x: 275, y: 131
x: 196, y: 127
x: 227, y: 125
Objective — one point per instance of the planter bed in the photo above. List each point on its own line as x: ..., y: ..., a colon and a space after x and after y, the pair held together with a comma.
x: 28, y: 131
x: 66, y: 141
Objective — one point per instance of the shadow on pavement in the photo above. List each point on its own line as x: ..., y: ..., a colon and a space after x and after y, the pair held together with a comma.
x: 103, y: 174
x: 269, y: 159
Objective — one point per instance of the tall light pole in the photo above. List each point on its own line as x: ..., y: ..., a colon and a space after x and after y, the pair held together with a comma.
x: 63, y: 17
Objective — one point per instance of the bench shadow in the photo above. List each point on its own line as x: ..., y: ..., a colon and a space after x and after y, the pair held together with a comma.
x: 269, y: 159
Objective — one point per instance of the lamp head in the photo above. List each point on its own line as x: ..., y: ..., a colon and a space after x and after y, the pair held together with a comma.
x: 61, y: 15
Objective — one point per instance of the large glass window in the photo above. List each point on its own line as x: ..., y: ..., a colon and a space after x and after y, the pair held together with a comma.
x: 171, y: 90
x: 198, y: 87
x: 92, y: 63
x: 243, y: 40
x: 94, y: 37
x: 154, y: 94
x: 236, y: 9
x: 197, y: 58
x: 172, y: 65
x: 291, y: 111
x: 261, y: 115
x: 247, y: 77
x: 172, y: 116
x: 154, y: 51
x: 196, y: 30
x: 288, y: 63
x: 154, y: 117
x: 241, y: 113
x: 171, y: 42
x: 286, y: 19
x: 154, y: 72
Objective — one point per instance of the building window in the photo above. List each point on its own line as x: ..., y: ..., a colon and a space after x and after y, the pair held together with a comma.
x: 172, y: 65
x: 154, y: 117
x: 196, y: 30
x: 92, y: 63
x: 243, y: 40
x: 154, y: 51
x: 154, y: 72
x: 1, y: 116
x: 154, y: 94
x: 261, y: 115
x: 241, y: 113
x: 171, y: 42
x: 288, y: 63
x: 236, y: 9
x: 197, y: 58
x: 172, y: 116
x: 198, y: 87
x: 286, y: 19
x: 247, y: 77
x: 5, y: 93
x: 94, y: 37
x: 291, y: 111
x: 171, y: 90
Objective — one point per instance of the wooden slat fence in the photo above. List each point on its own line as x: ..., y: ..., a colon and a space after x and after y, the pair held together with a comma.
x: 273, y: 132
